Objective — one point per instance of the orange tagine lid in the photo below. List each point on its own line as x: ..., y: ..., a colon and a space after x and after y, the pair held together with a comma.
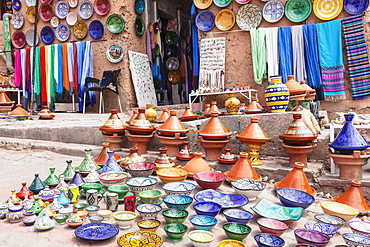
x: 253, y: 133
x: 353, y: 197
x: 242, y: 169
x: 19, y: 111
x: 172, y: 125
x: 164, y: 116
x: 294, y: 86
x: 214, y: 129
x: 197, y: 164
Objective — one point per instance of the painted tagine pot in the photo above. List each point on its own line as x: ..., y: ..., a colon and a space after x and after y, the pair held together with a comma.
x: 277, y: 94
x: 207, y: 108
x: 163, y: 161
x: 114, y: 124
x: 13, y: 198
x: 52, y: 180
x: 111, y: 164
x: 23, y: 192
x: 228, y: 157
x: 45, y: 113
x: 185, y: 153
x: 232, y: 104
x: 37, y: 185
x: 297, y: 133
x: 69, y: 172
x: 132, y: 157
x: 15, y: 214
x: 150, y: 113
x: 84, y: 168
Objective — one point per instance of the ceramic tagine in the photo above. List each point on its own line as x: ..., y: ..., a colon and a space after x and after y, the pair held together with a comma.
x: 133, y: 157
x: 37, y: 205
x: 93, y: 176
x: 214, y: 129
x: 164, y: 116
x: 13, y: 198
x: 29, y: 218
x: 63, y: 199
x: 27, y: 203
x: 188, y: 115
x: 43, y: 221
x: 185, y: 153
x: 62, y: 185
x: 55, y: 205
x: 19, y: 111
x: 36, y: 185
x: 353, y: 197
x: 150, y: 113
x: 254, y: 107
x: 228, y: 157
x: 140, y: 125
x: 77, y: 180
x: 111, y: 164
x: 297, y: 133
x: 172, y: 126
x: 214, y: 108
x: 295, y: 88
x: 84, y: 167
x: 114, y: 124
x: 4, y: 99
x: 24, y: 191
x: 103, y: 155
x: 163, y: 161
x: 15, y: 214
x: 52, y: 180
x: 69, y: 172
x: 197, y: 164
x: 48, y: 210
x: 133, y: 116
x: 47, y: 194
x: 45, y: 113
x: 310, y: 92
x: 207, y: 108
x: 242, y: 169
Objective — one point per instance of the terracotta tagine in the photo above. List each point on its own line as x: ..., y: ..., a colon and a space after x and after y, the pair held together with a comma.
x: 84, y: 167
x: 197, y: 164
x: 353, y: 197
x: 133, y: 116
x: 188, y: 115
x: 139, y: 140
x: 277, y: 94
x: 214, y: 108
x: 133, y: 157
x: 294, y: 87
x: 19, y: 111
x: 297, y: 133
x: 150, y: 113
x: 207, y: 108
x: 242, y: 169
x: 111, y: 165
x: 24, y: 191
x: 185, y: 153
x: 163, y: 161
x: 37, y: 185
x: 69, y: 172
x: 310, y: 92
x: 172, y: 126
x: 52, y: 180
x: 228, y: 157
x: 214, y: 129
x: 102, y: 158
x: 164, y: 116
x: 4, y: 99
x: 254, y: 107
x: 232, y: 104
x: 140, y: 125
x: 45, y: 113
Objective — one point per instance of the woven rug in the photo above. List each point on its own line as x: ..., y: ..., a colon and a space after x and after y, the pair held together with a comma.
x: 357, y: 58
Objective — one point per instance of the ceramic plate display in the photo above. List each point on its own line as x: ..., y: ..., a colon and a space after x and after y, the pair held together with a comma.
x: 205, y: 20
x: 115, y: 23
x: 31, y: 3
x: 115, y: 53
x: 17, y: 20
x: 171, y: 37
x: 54, y: 22
x: 298, y: 10
x: 30, y: 13
x: 73, y: 3
x: 45, y: 12
x: 225, y: 200
x: 172, y: 63
x: 71, y: 18
x: 327, y: 9
x: 202, y: 4
x: 62, y: 32
x: 96, y: 29
x: 249, y: 16
x: 47, y: 35
x: 80, y: 30
x: 352, y: 7
x: 139, y: 6
x: 96, y: 231
x: 173, y: 76
x: 61, y: 9
x: 29, y: 37
x: 273, y: 11
x: 101, y: 7
x: 140, y: 238
x: 139, y: 25
x: 18, y: 39
x: 85, y: 9
x: 221, y: 3
x: 16, y: 4
x: 225, y: 19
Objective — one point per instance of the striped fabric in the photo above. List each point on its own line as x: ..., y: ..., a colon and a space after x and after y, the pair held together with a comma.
x: 357, y: 58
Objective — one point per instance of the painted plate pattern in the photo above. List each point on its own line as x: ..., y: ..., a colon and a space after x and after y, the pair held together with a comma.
x: 249, y: 16
x: 80, y: 30
x: 225, y: 19
x: 45, y: 12
x: 31, y: 14
x: 31, y: 3
x: 355, y: 7
x: 96, y: 231
x: 202, y: 4
x: 205, y: 20
x: 16, y: 4
x: 47, y: 35
x: 18, y: 39
x: 222, y: 3
x: 101, y: 7
x: 115, y: 53
x: 298, y: 10
x: 29, y: 37
x: 115, y: 23
x: 96, y: 29
x: 62, y: 32
x: 139, y: 25
x: 17, y: 20
x: 273, y: 11
x: 139, y: 6
x: 85, y: 9
x: 140, y: 238
x: 62, y: 9
x: 327, y: 9
x: 54, y: 22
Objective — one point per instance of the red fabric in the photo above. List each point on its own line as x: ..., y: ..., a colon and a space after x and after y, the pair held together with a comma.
x: 65, y: 67
x: 44, y: 97
x: 75, y: 69
x: 28, y: 67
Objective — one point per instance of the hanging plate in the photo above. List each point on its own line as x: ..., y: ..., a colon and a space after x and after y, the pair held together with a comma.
x: 172, y: 63
x: 16, y: 4
x: 243, y: 1
x: 171, y: 37
x: 73, y: 3
x: 17, y: 20
x: 46, y: 1
x: 298, y: 10
x: 139, y: 6
x: 62, y: 32
x: 273, y: 11
x: 327, y: 9
x: 71, y: 18
x: 115, y: 23
x: 45, y: 11
x: 80, y: 30
x: 174, y: 76
x: 139, y: 25
x: 171, y: 50
x: 96, y: 29
x: 249, y: 16
x: 225, y: 19
x: 54, y: 22
x: 85, y: 9
x: 205, y: 20
x: 101, y: 7
x: 31, y: 13
x: 29, y: 37
x: 62, y: 9
x: 115, y: 53
x: 31, y: 3
x: 47, y: 35
x: 202, y: 4
x: 222, y: 3
x: 353, y: 7
x: 18, y: 39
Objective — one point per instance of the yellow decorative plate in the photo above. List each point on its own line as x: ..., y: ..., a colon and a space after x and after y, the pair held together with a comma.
x: 31, y: 13
x: 80, y: 30
x: 140, y: 238
x: 174, y: 76
x: 225, y: 19
x: 202, y: 4
x: 327, y: 9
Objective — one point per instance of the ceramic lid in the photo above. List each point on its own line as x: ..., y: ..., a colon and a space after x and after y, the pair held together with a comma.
x: 215, y: 108
x: 96, y: 29
x: 140, y: 120
x: 188, y: 112
x: 80, y: 30
x: 327, y: 9
x: 242, y: 169
x: 197, y: 164
x: 297, y: 132
x: 85, y: 9
x: 353, y: 7
x: 273, y: 11
x: 113, y: 124
x: 3, y: 97
x: 298, y: 10
x: 225, y: 19
x: 253, y: 133
x: 17, y: 20
x: 254, y: 107
x: 61, y: 9
x: 115, y: 23
x: 249, y: 16
x: 18, y: 39
x: 205, y: 20
x: 214, y: 128
x: 47, y: 35
x: 172, y: 125
x: 101, y: 7
x: 294, y: 87
x: 164, y: 116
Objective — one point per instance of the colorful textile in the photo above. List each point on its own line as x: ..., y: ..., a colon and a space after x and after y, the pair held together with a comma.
x: 43, y: 75
x: 272, y: 52
x: 299, y: 68
x: 65, y: 67
x: 357, y: 57
x: 37, y: 84
x: 52, y: 69
x: 60, y: 72
x: 285, y: 52
x: 17, y: 69
x: 258, y: 42
x: 75, y: 69
x: 70, y: 65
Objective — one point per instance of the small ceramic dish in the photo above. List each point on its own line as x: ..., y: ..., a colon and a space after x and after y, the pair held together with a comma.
x: 306, y: 236
x: 225, y: 200
x: 79, y: 206
x: 236, y: 231
x: 325, y: 228
x: 173, y: 174
x: 238, y: 215
x: 230, y: 243
x: 330, y: 219
x: 207, y: 208
x: 148, y: 210
x: 141, y: 169
x: 150, y: 196
x: 149, y: 225
x: 360, y: 227
x: 114, y: 177
x: 82, y: 214
x: 179, y: 188
x: 138, y: 184
x: 209, y: 180
x: 105, y: 214
x: 294, y: 198
x: 67, y: 211
x: 268, y: 240
x: 91, y: 186
x: 249, y: 188
x: 92, y: 209
x: 124, y: 219
x: 272, y: 226
x: 203, y: 222
x: 181, y: 202
x: 339, y: 209
x: 201, y: 238
x: 354, y: 239
x: 175, y: 215
x: 96, y: 219
x: 175, y: 232
x: 139, y: 201
x: 60, y: 218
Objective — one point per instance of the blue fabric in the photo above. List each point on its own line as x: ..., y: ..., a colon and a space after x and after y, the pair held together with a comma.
x: 60, y: 72
x: 194, y: 42
x: 312, y: 56
x: 70, y: 66
x: 330, y: 33
x: 285, y: 52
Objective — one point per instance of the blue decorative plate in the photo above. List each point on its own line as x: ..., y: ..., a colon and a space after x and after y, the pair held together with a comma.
x: 96, y: 231
x: 61, y: 9
x: 62, y: 32
x: 96, y: 29
x: 205, y: 20
x: 85, y: 9
x: 17, y: 20
x: 139, y: 6
x: 225, y: 200
x: 16, y: 4
x: 273, y: 11
x: 352, y: 7
x: 47, y: 35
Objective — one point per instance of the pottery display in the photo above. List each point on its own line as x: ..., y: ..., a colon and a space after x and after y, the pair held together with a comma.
x: 19, y: 111
x: 102, y: 158
x: 74, y: 220
x: 203, y: 222
x: 140, y: 238
x: 133, y: 157
x: 360, y: 227
x: 253, y: 107
x: 325, y: 228
x: 133, y: 116
x: 45, y: 113
x: 268, y: 240
x: 69, y: 172
x: 29, y: 218
x: 294, y: 198
x: 214, y: 129
x: 36, y: 185
x: 237, y: 215
x: 15, y: 214
x: 84, y: 168
x: 197, y: 164
x: 178, y: 188
x: 225, y: 200
x: 242, y: 169
x: 150, y: 113
x: 175, y: 215
x: 272, y: 226
x: 339, y: 209
x: 77, y: 179
x: 140, y: 125
x: 175, y: 232
x: 207, y: 208
x: 140, y: 169
x: 52, y: 180
x: 149, y: 225
x: 236, y: 231
x: 295, y: 88
x: 172, y: 174
x: 172, y: 126
x: 114, y: 124
x: 47, y: 194
x: 228, y: 157
x: 277, y: 94
x: 336, y: 221
x: 353, y: 197
x: 310, y: 92
x: 209, y: 180
x: 23, y: 192
x: 188, y: 115
x: 249, y: 188
x: 354, y: 239
x: 163, y: 161
x: 149, y: 211
x: 13, y: 199
x: 297, y: 133
x: 181, y: 202
x: 232, y: 104
x: 201, y: 238
x: 306, y: 236
x: 124, y: 219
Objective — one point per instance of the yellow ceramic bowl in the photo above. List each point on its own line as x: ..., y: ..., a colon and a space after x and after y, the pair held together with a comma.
x: 149, y: 225
x: 173, y: 174
x: 339, y: 209
x: 230, y: 243
x: 82, y: 214
x: 104, y: 213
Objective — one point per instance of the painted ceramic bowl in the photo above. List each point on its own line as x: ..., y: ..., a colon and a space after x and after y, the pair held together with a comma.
x: 354, y: 239
x: 179, y: 188
x: 325, y: 228
x: 203, y: 222
x: 330, y: 219
x: 207, y: 208
x: 66, y: 211
x: 148, y: 210
x: 306, y: 236
x: 150, y: 196
x: 96, y: 219
x: 82, y: 214
x: 230, y: 243
x: 249, y: 188
x: 114, y: 177
x: 175, y: 215
x: 140, y: 169
x: 201, y: 238
x: 175, y: 232
x: 124, y: 219
x: 105, y: 214
x: 181, y: 202
x: 173, y: 174
x: 60, y: 218
x: 149, y: 225
x: 91, y: 186
x: 79, y: 206
x: 294, y: 198
x: 121, y: 190
x: 268, y: 240
x: 74, y: 225
x: 339, y: 209
x: 209, y: 180
x: 360, y: 227
x: 92, y: 209
x: 236, y: 231
x: 225, y: 200
x: 140, y: 238
x: 238, y: 215
x: 138, y: 184
x: 272, y: 226
x: 267, y: 209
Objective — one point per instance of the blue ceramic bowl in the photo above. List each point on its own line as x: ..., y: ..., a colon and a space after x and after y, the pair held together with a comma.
x: 148, y: 210
x: 238, y: 216
x: 181, y: 202
x: 294, y: 198
x: 207, y: 208
x: 268, y: 240
x: 203, y: 222
x: 179, y: 188
x: 325, y: 228
x: 354, y: 239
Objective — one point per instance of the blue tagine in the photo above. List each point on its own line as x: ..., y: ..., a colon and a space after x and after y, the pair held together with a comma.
x: 111, y: 164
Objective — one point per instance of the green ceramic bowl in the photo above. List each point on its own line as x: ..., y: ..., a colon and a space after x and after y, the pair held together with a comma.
x: 80, y: 206
x: 175, y: 215
x: 121, y: 190
x: 236, y: 231
x: 175, y: 232
x: 89, y: 186
x: 149, y: 225
x: 150, y: 196
x: 60, y: 218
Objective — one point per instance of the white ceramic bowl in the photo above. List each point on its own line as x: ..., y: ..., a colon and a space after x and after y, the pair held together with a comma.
x: 200, y: 238
x: 124, y: 219
x: 249, y: 188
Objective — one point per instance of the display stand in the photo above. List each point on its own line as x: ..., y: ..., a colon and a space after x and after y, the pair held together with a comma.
x: 14, y: 90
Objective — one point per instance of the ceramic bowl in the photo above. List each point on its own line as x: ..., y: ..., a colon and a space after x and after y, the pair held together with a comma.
x: 175, y: 232
x: 339, y: 209
x: 207, y: 208
x: 201, y: 238
x: 268, y: 240
x: 179, y: 188
x: 360, y: 227
x: 140, y: 169
x: 230, y: 243
x: 354, y: 239
x: 173, y: 174
x: 60, y: 218
x: 330, y: 219
x: 209, y: 180
x: 203, y: 222
x: 105, y: 214
x: 249, y: 188
x: 150, y: 196
x: 92, y: 209
x: 124, y: 219
x: 82, y: 214
x: 140, y: 238
x: 67, y: 211
x: 138, y: 184
x: 79, y: 206
x: 325, y: 228
x: 306, y: 236
x: 181, y: 202
x: 272, y: 226
x: 75, y: 225
x: 267, y: 209
x: 236, y: 231
x: 149, y: 225
x: 294, y: 198
x: 175, y: 215
x: 148, y: 210
x: 91, y: 186
x: 114, y: 177
x: 225, y: 200
x: 121, y: 190
x: 96, y: 219
x: 238, y: 215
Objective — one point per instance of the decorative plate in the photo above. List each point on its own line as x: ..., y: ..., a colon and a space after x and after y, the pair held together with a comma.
x: 205, y: 20
x: 85, y: 9
x: 30, y: 13
x: 18, y: 39
x: 96, y: 29
x: 16, y: 4
x: 243, y: 1
x: 327, y: 9
x: 54, y: 22
x: 352, y: 7
x: 225, y: 200
x: 29, y: 37
x: 47, y: 35
x: 31, y: 3
x: 61, y: 9
x: 273, y: 11
x: 101, y: 7
x: 115, y: 53
x: 80, y: 30
x: 221, y: 3
x: 139, y: 25
x: 71, y: 18
x: 46, y: 1
x: 225, y: 19
x: 17, y: 20
x: 140, y: 238
x: 172, y: 63
x: 96, y: 231
x: 173, y: 76
x: 139, y: 6
x: 298, y: 10
x: 172, y: 50
x: 115, y: 23
x: 73, y: 3
x: 249, y: 16
x: 202, y: 4
x: 45, y: 12
x: 62, y: 32
x: 171, y: 38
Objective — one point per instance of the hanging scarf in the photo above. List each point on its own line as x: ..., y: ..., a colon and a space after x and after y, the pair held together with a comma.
x: 43, y: 75
x: 195, y: 47
x: 75, y: 69
x: 272, y: 51
x: 56, y: 68
x: 285, y: 52
x: 299, y: 68
x: 28, y: 67
x: 258, y: 42
x: 60, y: 89
x: 65, y: 67
x: 17, y: 69
x: 47, y: 73
x: 149, y: 43
x: 37, y: 85
x: 87, y: 71
x: 52, y: 79
x: 70, y: 65
x: 23, y: 65
x: 312, y: 56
